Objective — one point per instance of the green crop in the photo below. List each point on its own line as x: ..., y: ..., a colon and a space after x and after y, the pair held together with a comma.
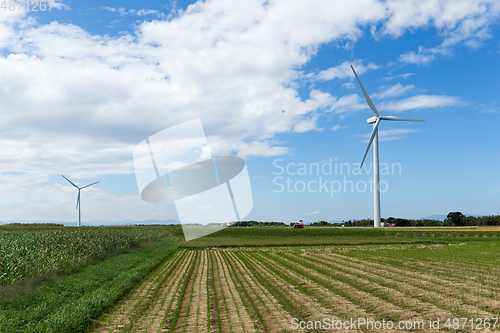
x: 29, y: 254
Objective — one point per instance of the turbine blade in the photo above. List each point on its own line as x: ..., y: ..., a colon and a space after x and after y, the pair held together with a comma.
x: 375, y: 130
x: 78, y: 200
x: 71, y: 182
x: 393, y: 118
x: 368, y: 99
x: 88, y: 185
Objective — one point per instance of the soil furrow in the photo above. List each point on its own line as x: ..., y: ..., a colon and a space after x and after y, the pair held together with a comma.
x: 246, y: 324
x: 275, y: 318
x: 428, y: 283
x: 429, y: 303
x: 309, y: 307
x: 220, y: 299
x: 127, y: 305
x: 358, y: 291
x: 150, y: 315
x: 186, y: 321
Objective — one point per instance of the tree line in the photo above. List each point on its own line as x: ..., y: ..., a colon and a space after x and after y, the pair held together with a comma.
x: 452, y: 219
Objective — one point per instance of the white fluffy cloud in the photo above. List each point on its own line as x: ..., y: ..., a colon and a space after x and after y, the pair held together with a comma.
x: 395, y: 90
x: 390, y: 135
x: 420, y: 102
x: 39, y: 199
x: 79, y: 102
x: 233, y: 65
x: 467, y: 22
x: 343, y: 70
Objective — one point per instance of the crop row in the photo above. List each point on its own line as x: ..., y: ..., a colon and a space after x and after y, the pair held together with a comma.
x: 261, y: 290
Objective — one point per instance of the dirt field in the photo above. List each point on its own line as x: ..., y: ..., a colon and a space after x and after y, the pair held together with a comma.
x: 263, y: 289
x: 494, y: 228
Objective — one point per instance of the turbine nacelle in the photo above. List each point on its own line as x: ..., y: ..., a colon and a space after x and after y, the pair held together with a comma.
x: 373, y: 119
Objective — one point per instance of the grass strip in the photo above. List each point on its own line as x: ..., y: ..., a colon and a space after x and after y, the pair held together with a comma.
x: 286, y: 236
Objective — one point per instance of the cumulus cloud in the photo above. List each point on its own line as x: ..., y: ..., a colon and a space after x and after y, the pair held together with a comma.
x: 467, y: 22
x: 141, y: 12
x: 420, y: 102
x: 235, y: 71
x: 349, y: 85
x: 234, y: 66
x: 395, y: 134
x: 393, y: 91
x: 40, y: 199
x: 60, y: 5
x: 337, y: 127
x: 390, y: 135
x: 402, y: 76
x: 80, y: 102
x: 343, y: 71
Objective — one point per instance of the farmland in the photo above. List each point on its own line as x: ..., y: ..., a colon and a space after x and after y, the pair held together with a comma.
x: 263, y: 279
x: 29, y: 253
x: 261, y: 289
x: 278, y: 236
x: 106, y: 264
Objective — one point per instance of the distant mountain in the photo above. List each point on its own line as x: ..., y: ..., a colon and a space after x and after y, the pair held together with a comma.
x: 130, y: 222
x: 100, y: 222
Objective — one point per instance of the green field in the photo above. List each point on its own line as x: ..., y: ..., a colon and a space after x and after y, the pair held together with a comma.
x: 286, y: 236
x: 262, y: 289
x: 66, y: 276
x: 257, y: 279
x: 26, y: 253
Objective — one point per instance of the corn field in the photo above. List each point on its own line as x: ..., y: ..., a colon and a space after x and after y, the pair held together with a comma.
x: 29, y: 254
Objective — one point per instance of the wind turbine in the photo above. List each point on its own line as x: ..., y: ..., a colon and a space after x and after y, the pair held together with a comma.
x: 375, y: 120
x: 78, y: 206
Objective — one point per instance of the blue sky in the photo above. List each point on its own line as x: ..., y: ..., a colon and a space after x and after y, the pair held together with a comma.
x: 83, y: 84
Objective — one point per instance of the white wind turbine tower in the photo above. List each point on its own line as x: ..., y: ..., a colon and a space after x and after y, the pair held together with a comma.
x: 78, y: 206
x: 375, y: 120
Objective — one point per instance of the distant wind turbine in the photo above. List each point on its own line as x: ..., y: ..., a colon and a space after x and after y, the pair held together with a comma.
x: 375, y: 120
x: 78, y: 206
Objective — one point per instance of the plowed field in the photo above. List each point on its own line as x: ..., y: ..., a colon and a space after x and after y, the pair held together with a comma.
x: 264, y: 289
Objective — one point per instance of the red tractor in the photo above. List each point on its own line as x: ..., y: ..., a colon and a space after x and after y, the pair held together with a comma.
x: 299, y: 225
